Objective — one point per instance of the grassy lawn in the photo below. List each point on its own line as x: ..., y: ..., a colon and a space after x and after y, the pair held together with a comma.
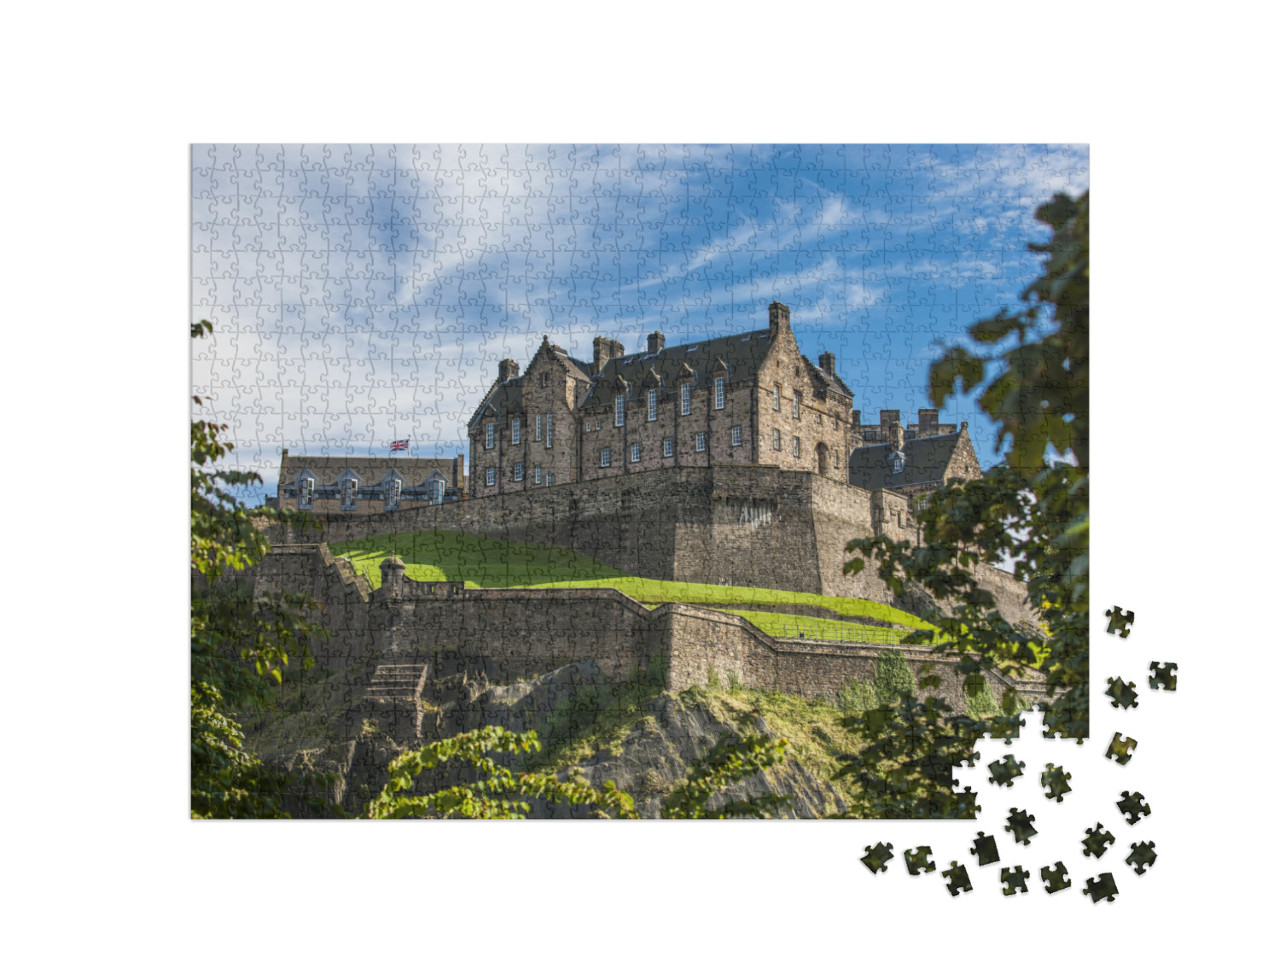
x: 483, y: 562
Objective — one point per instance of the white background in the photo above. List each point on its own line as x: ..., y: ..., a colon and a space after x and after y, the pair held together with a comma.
x: 103, y: 101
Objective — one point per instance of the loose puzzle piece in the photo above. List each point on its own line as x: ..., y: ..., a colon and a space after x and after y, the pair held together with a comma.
x: 1055, y: 781
x: 1019, y: 823
x: 1164, y: 676
x: 1120, y: 748
x: 877, y: 859
x: 1123, y: 695
x: 1101, y: 887
x: 957, y: 879
x: 1055, y: 880
x: 1096, y: 841
x: 1134, y: 806
x: 984, y: 847
x: 918, y: 860
x: 1004, y: 772
x: 1119, y: 623
x: 1014, y: 879
x: 1141, y: 855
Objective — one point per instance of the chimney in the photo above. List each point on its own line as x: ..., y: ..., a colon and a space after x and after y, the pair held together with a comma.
x: 657, y: 341
x: 779, y: 319
x: 507, y: 369
x: 600, y: 358
x: 827, y: 362
x: 891, y: 427
x: 928, y: 426
x: 617, y: 349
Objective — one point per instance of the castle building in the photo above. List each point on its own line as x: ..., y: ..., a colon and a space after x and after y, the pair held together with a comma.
x: 365, y: 486
x: 748, y: 399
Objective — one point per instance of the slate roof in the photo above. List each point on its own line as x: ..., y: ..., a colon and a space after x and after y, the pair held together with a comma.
x: 329, y: 468
x: 927, y: 460
x: 508, y: 396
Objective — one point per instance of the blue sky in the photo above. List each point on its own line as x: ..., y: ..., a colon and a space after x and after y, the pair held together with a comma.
x: 365, y: 293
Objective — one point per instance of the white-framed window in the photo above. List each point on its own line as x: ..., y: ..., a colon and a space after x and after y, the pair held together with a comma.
x: 537, y: 428
x: 653, y: 404
x: 489, y: 476
x: 350, y: 493
x: 515, y: 431
x: 719, y: 393
x: 635, y: 452
x: 668, y: 447
x: 606, y: 457
x: 435, y: 491
x: 795, y: 405
x: 551, y: 478
x: 391, y: 500
x: 700, y: 442
x: 488, y: 435
x: 777, y: 397
x: 795, y: 446
x: 685, y: 402
x: 899, y: 462
x: 737, y: 435
x: 619, y: 411
x: 777, y: 440
x: 306, y: 494
x: 518, y: 472
x: 549, y: 429
x: 537, y: 474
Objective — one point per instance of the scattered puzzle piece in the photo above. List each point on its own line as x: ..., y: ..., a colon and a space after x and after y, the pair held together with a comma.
x: 877, y: 859
x: 1164, y: 676
x: 984, y: 847
x: 1055, y: 880
x: 918, y: 861
x: 1141, y: 856
x: 1019, y: 823
x: 1102, y: 887
x: 1120, y: 748
x: 1119, y: 623
x: 1123, y: 695
x: 1056, y: 782
x: 1005, y: 771
x: 1096, y: 841
x: 957, y: 879
x: 1014, y: 879
x: 1134, y: 806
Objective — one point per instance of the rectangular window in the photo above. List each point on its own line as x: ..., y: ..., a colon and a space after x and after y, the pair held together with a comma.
x: 537, y: 428
x: 350, y: 490
x: 606, y: 457
x: 488, y: 435
x: 719, y: 393
x: 685, y: 390
x: 653, y: 404
x: 700, y: 443
x: 515, y: 431
x: 551, y: 478
x: 537, y: 474
x: 777, y: 440
x: 795, y: 405
x: 668, y: 447
x: 635, y: 453
x: 619, y: 413
x: 518, y: 471
x: 488, y: 476
x: 795, y: 447
x: 307, y: 493
x: 737, y: 436
x: 777, y: 397
x: 549, y: 432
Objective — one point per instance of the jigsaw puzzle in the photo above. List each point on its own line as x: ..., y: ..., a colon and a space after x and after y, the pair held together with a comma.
x: 919, y: 860
x: 1120, y: 749
x: 1123, y: 694
x: 1019, y: 823
x: 1096, y: 841
x: 533, y: 417
x: 1103, y: 886
x: 1141, y: 856
x: 877, y: 858
x: 957, y: 879
x: 1055, y: 879
x: 986, y: 849
x: 1134, y: 806
x: 1164, y: 676
x: 1015, y: 880
x: 1119, y: 621
x: 1055, y: 782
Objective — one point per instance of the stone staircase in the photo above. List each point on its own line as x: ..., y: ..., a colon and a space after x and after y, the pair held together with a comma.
x: 395, y: 695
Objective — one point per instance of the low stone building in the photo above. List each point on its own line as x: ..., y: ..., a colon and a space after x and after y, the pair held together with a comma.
x: 326, y: 483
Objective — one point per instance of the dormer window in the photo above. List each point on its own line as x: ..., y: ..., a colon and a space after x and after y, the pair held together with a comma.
x: 619, y: 411
x: 350, y: 493
x: 391, y: 494
x: 435, y: 490
x: 306, y: 494
x: 897, y: 462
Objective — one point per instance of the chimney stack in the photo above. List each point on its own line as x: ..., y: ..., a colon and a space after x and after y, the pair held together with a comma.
x: 891, y: 427
x: 827, y: 362
x: 657, y: 341
x: 928, y: 422
x: 507, y: 369
x: 779, y: 319
x: 601, y: 355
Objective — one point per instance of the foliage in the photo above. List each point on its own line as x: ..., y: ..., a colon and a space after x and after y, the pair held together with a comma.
x: 231, y: 631
x: 733, y: 759
x: 893, y: 679
x: 1033, y: 508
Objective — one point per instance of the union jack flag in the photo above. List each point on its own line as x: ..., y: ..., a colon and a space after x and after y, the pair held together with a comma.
x: 400, y: 445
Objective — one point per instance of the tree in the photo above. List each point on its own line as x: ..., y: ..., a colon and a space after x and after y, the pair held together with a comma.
x: 1032, y: 508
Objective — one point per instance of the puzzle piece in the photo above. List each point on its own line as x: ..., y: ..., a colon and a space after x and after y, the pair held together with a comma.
x: 1005, y: 771
x: 1141, y: 856
x: 1101, y: 887
x: 1134, y: 806
x: 1007, y: 728
x: 1120, y: 748
x: 984, y: 847
x: 1019, y: 823
x: 1055, y: 781
x: 1096, y: 841
x: 1119, y: 623
x: 957, y: 879
x: 1014, y: 879
x: 1055, y: 880
x: 1164, y: 676
x: 877, y: 859
x: 918, y: 860
x: 1123, y: 695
